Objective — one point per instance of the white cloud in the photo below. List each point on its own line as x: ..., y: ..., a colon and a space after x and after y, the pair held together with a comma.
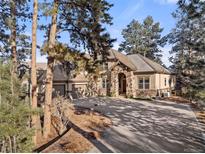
x: 164, y: 2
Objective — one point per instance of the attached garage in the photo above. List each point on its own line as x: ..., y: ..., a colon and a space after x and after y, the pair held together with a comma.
x: 59, y: 89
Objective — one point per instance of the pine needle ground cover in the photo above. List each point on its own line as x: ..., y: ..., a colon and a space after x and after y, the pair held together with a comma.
x: 86, y: 126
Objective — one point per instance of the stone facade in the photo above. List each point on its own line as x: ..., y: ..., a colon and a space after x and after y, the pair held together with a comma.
x: 113, y: 79
x: 145, y: 93
x: 132, y: 89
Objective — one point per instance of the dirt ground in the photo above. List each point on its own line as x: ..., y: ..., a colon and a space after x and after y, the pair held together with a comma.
x: 86, y: 125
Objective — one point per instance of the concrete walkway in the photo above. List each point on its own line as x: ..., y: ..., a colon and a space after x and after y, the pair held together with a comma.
x: 143, y: 126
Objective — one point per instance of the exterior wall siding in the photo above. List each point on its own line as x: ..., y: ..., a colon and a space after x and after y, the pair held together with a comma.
x: 160, y: 81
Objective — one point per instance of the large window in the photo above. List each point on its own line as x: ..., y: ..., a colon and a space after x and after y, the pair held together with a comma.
x: 143, y: 83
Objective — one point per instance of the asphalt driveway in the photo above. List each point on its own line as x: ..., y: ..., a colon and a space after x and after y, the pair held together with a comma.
x: 143, y: 126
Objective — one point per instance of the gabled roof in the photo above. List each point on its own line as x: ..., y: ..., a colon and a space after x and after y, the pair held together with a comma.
x: 79, y: 78
x: 144, y: 64
x: 114, y: 54
x: 58, y: 75
x: 137, y: 62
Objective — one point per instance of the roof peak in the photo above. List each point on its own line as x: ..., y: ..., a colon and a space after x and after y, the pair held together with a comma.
x: 155, y: 67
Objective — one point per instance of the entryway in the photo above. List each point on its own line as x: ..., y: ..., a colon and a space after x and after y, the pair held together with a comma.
x: 122, y: 83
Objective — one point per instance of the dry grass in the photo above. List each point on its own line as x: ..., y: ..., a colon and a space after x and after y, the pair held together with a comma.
x: 91, y: 125
x: 201, y: 118
x: 177, y: 99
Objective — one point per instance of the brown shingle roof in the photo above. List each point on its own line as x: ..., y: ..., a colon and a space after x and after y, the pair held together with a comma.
x: 114, y: 54
x: 144, y: 64
x: 137, y: 62
x: 79, y: 78
x: 58, y: 75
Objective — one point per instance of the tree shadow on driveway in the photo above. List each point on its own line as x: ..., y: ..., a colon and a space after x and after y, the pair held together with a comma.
x: 91, y: 138
x: 141, y: 126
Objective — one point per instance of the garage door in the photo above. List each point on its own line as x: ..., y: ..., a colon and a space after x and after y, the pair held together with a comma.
x: 59, y: 89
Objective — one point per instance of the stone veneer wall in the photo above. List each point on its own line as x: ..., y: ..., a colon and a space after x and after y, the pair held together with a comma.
x: 114, y: 89
x: 145, y: 93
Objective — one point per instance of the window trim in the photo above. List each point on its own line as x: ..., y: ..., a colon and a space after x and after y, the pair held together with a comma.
x: 144, y: 83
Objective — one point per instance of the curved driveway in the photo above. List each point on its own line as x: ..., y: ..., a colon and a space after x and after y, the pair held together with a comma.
x: 143, y: 126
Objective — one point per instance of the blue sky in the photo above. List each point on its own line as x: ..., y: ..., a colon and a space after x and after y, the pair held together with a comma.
x: 124, y: 11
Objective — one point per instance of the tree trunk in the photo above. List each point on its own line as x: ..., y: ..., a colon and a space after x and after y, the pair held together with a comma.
x: 13, y: 44
x: 13, y: 33
x: 49, y: 73
x: 35, y: 118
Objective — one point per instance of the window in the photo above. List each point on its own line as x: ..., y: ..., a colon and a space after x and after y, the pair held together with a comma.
x: 165, y: 82
x: 143, y: 83
x: 146, y: 83
x: 140, y: 83
x: 104, y: 83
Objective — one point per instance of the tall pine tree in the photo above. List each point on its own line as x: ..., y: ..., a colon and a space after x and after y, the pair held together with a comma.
x: 35, y: 118
x: 83, y: 21
x: 143, y: 38
x: 14, y: 16
x: 189, y: 47
x: 15, y: 113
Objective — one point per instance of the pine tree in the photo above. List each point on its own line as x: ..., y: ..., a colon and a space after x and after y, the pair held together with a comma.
x: 83, y: 21
x: 15, y: 43
x: 35, y: 118
x: 15, y: 112
x: 143, y: 38
x: 49, y: 71
x: 189, y: 47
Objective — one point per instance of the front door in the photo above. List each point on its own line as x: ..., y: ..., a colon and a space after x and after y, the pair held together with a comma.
x: 122, y: 83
